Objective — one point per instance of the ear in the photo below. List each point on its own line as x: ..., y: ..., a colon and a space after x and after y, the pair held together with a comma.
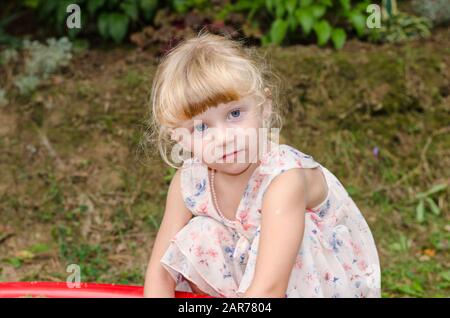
x: 268, y: 92
x: 173, y: 135
x: 267, y: 109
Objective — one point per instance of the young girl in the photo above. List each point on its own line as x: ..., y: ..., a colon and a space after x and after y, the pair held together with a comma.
x: 248, y: 218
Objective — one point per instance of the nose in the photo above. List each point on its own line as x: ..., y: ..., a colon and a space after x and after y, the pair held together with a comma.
x: 223, y: 137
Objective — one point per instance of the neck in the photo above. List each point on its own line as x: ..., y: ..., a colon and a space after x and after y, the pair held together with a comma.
x: 245, y: 174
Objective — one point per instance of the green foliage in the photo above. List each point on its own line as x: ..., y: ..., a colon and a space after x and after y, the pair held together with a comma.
x: 338, y: 36
x: 112, y: 19
x: 323, y: 31
x: 182, y: 6
x: 270, y: 21
x: 5, y: 37
x: 113, y: 25
x: 278, y: 31
x: 426, y: 198
x: 27, y: 84
x: 400, y: 28
x: 8, y: 55
x: 44, y: 60
x: 330, y: 20
x: 402, y: 245
x: 34, y: 63
x: 41, y: 61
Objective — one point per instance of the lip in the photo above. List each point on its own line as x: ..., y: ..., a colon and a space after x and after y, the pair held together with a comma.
x: 230, y: 154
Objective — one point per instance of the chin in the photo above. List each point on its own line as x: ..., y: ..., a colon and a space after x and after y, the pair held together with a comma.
x: 231, y: 168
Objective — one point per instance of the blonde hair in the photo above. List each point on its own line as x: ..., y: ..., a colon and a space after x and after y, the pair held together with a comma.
x: 202, y: 72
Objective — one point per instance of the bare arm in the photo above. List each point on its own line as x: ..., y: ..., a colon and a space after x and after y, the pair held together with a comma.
x: 158, y: 282
x: 282, y: 227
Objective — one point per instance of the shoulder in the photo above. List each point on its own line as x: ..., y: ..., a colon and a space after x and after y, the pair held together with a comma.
x: 286, y: 189
x: 176, y: 211
x: 174, y: 195
x: 181, y: 181
x: 287, y: 178
x: 175, y: 184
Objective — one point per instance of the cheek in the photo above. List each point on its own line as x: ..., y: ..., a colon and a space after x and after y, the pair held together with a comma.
x: 199, y: 146
x: 252, y: 120
x: 251, y: 128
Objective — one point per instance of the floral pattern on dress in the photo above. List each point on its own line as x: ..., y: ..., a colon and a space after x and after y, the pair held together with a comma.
x: 337, y: 257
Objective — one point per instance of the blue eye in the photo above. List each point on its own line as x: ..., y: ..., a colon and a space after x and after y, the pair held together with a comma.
x: 201, y: 127
x: 235, y: 113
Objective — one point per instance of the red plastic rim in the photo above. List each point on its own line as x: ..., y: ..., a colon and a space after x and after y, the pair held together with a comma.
x: 86, y: 290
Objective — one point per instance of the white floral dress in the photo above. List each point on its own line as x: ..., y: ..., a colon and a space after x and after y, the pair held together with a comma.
x: 337, y: 257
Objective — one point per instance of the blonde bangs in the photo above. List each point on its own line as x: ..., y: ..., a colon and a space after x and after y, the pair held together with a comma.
x: 195, y: 76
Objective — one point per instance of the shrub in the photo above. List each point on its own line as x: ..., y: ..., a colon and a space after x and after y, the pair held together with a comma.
x: 275, y: 20
x: 399, y: 26
x: 109, y: 18
x: 328, y: 20
x: 35, y: 62
x: 402, y: 27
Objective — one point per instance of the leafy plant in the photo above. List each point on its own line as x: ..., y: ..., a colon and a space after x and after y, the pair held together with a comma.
x: 414, y: 289
x: 10, y: 12
x: 401, y: 28
x: 426, y: 198
x: 26, y: 68
x: 328, y: 20
x: 41, y: 61
x: 5, y: 37
x: 398, y: 26
x: 8, y: 55
x: 27, y: 84
x: 403, y: 244
x: 170, y: 27
x: 111, y: 19
x: 182, y: 6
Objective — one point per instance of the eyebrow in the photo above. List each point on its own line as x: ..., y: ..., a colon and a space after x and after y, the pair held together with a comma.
x: 236, y: 104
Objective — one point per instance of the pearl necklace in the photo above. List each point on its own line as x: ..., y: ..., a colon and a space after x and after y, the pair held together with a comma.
x: 213, y: 190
